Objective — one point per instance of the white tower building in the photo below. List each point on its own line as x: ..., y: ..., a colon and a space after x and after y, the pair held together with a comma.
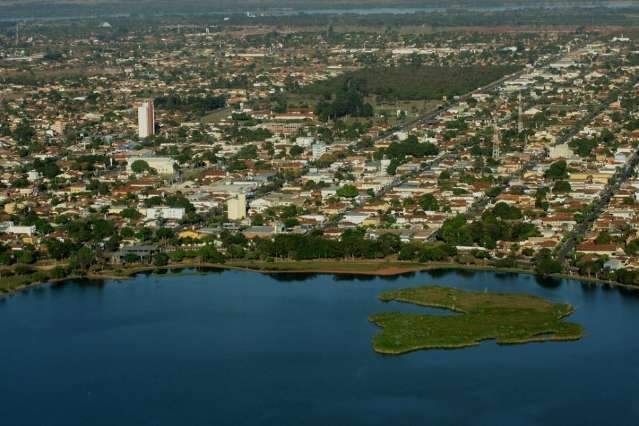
x: 146, y: 119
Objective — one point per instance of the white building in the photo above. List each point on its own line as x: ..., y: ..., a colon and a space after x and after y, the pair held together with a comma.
x: 146, y: 119
x: 163, y: 165
x: 33, y: 176
x: 384, y: 164
x: 304, y: 141
x: 236, y: 206
x: 319, y: 149
x: 21, y: 230
x: 171, y: 213
x: 560, y: 151
x: 355, y: 217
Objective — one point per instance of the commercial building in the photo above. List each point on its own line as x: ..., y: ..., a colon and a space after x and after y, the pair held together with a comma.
x: 21, y: 230
x: 170, y: 213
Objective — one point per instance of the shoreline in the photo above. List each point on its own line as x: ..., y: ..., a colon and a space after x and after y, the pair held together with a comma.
x: 367, y: 268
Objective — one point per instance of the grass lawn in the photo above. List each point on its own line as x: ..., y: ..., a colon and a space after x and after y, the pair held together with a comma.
x: 215, y: 116
x: 12, y: 283
x: 506, y: 318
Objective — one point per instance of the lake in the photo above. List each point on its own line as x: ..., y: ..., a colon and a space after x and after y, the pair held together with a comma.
x: 240, y: 348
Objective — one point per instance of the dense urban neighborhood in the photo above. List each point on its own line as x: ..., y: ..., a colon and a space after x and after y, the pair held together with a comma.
x: 257, y: 146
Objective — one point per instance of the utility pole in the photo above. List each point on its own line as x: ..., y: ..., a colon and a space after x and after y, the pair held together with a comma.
x: 17, y: 33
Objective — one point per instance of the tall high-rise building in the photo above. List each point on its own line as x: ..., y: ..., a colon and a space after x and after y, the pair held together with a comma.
x: 146, y: 119
x: 237, y: 207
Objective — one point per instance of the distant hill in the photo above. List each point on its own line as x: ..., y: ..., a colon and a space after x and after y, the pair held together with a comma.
x: 298, y: 4
x: 50, y: 8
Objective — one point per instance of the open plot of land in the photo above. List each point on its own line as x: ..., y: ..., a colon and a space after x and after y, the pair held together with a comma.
x: 507, y: 318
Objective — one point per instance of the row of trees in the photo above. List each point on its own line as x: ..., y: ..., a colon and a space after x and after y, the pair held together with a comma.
x: 197, y: 104
x: 352, y: 244
x: 502, y: 223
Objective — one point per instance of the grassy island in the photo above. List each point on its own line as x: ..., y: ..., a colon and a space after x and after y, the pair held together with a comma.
x: 506, y: 318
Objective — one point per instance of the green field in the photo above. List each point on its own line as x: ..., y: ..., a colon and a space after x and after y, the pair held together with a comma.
x: 410, y: 82
x: 506, y: 318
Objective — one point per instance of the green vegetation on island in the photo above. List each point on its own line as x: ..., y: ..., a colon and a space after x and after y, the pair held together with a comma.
x: 506, y: 318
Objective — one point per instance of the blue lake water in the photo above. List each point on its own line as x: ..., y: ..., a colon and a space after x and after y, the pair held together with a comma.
x: 240, y: 348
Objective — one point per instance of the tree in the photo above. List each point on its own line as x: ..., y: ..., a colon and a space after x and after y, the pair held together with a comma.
x: 235, y: 252
x: 47, y: 168
x: 130, y: 213
x: 257, y: 220
x: 58, y: 273
x: 455, y: 231
x: 584, y: 147
x: 429, y: 203
x: 247, y: 152
x: 210, y: 255
x: 113, y: 243
x: 59, y: 250
x: 21, y: 182
x: 93, y: 229
x: 603, y: 238
x: 506, y: 212
x: 349, y: 100
x: 144, y: 234
x: 347, y: 191
x: 83, y: 259
x: 390, y: 243
x: 27, y: 256
x: 140, y: 166
x: 164, y: 234
x: 290, y: 222
x: 561, y: 186
x: 24, y: 132
x: 410, y: 147
x: 545, y: 264
x: 557, y: 170
x: 296, y: 151
x: 632, y: 248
